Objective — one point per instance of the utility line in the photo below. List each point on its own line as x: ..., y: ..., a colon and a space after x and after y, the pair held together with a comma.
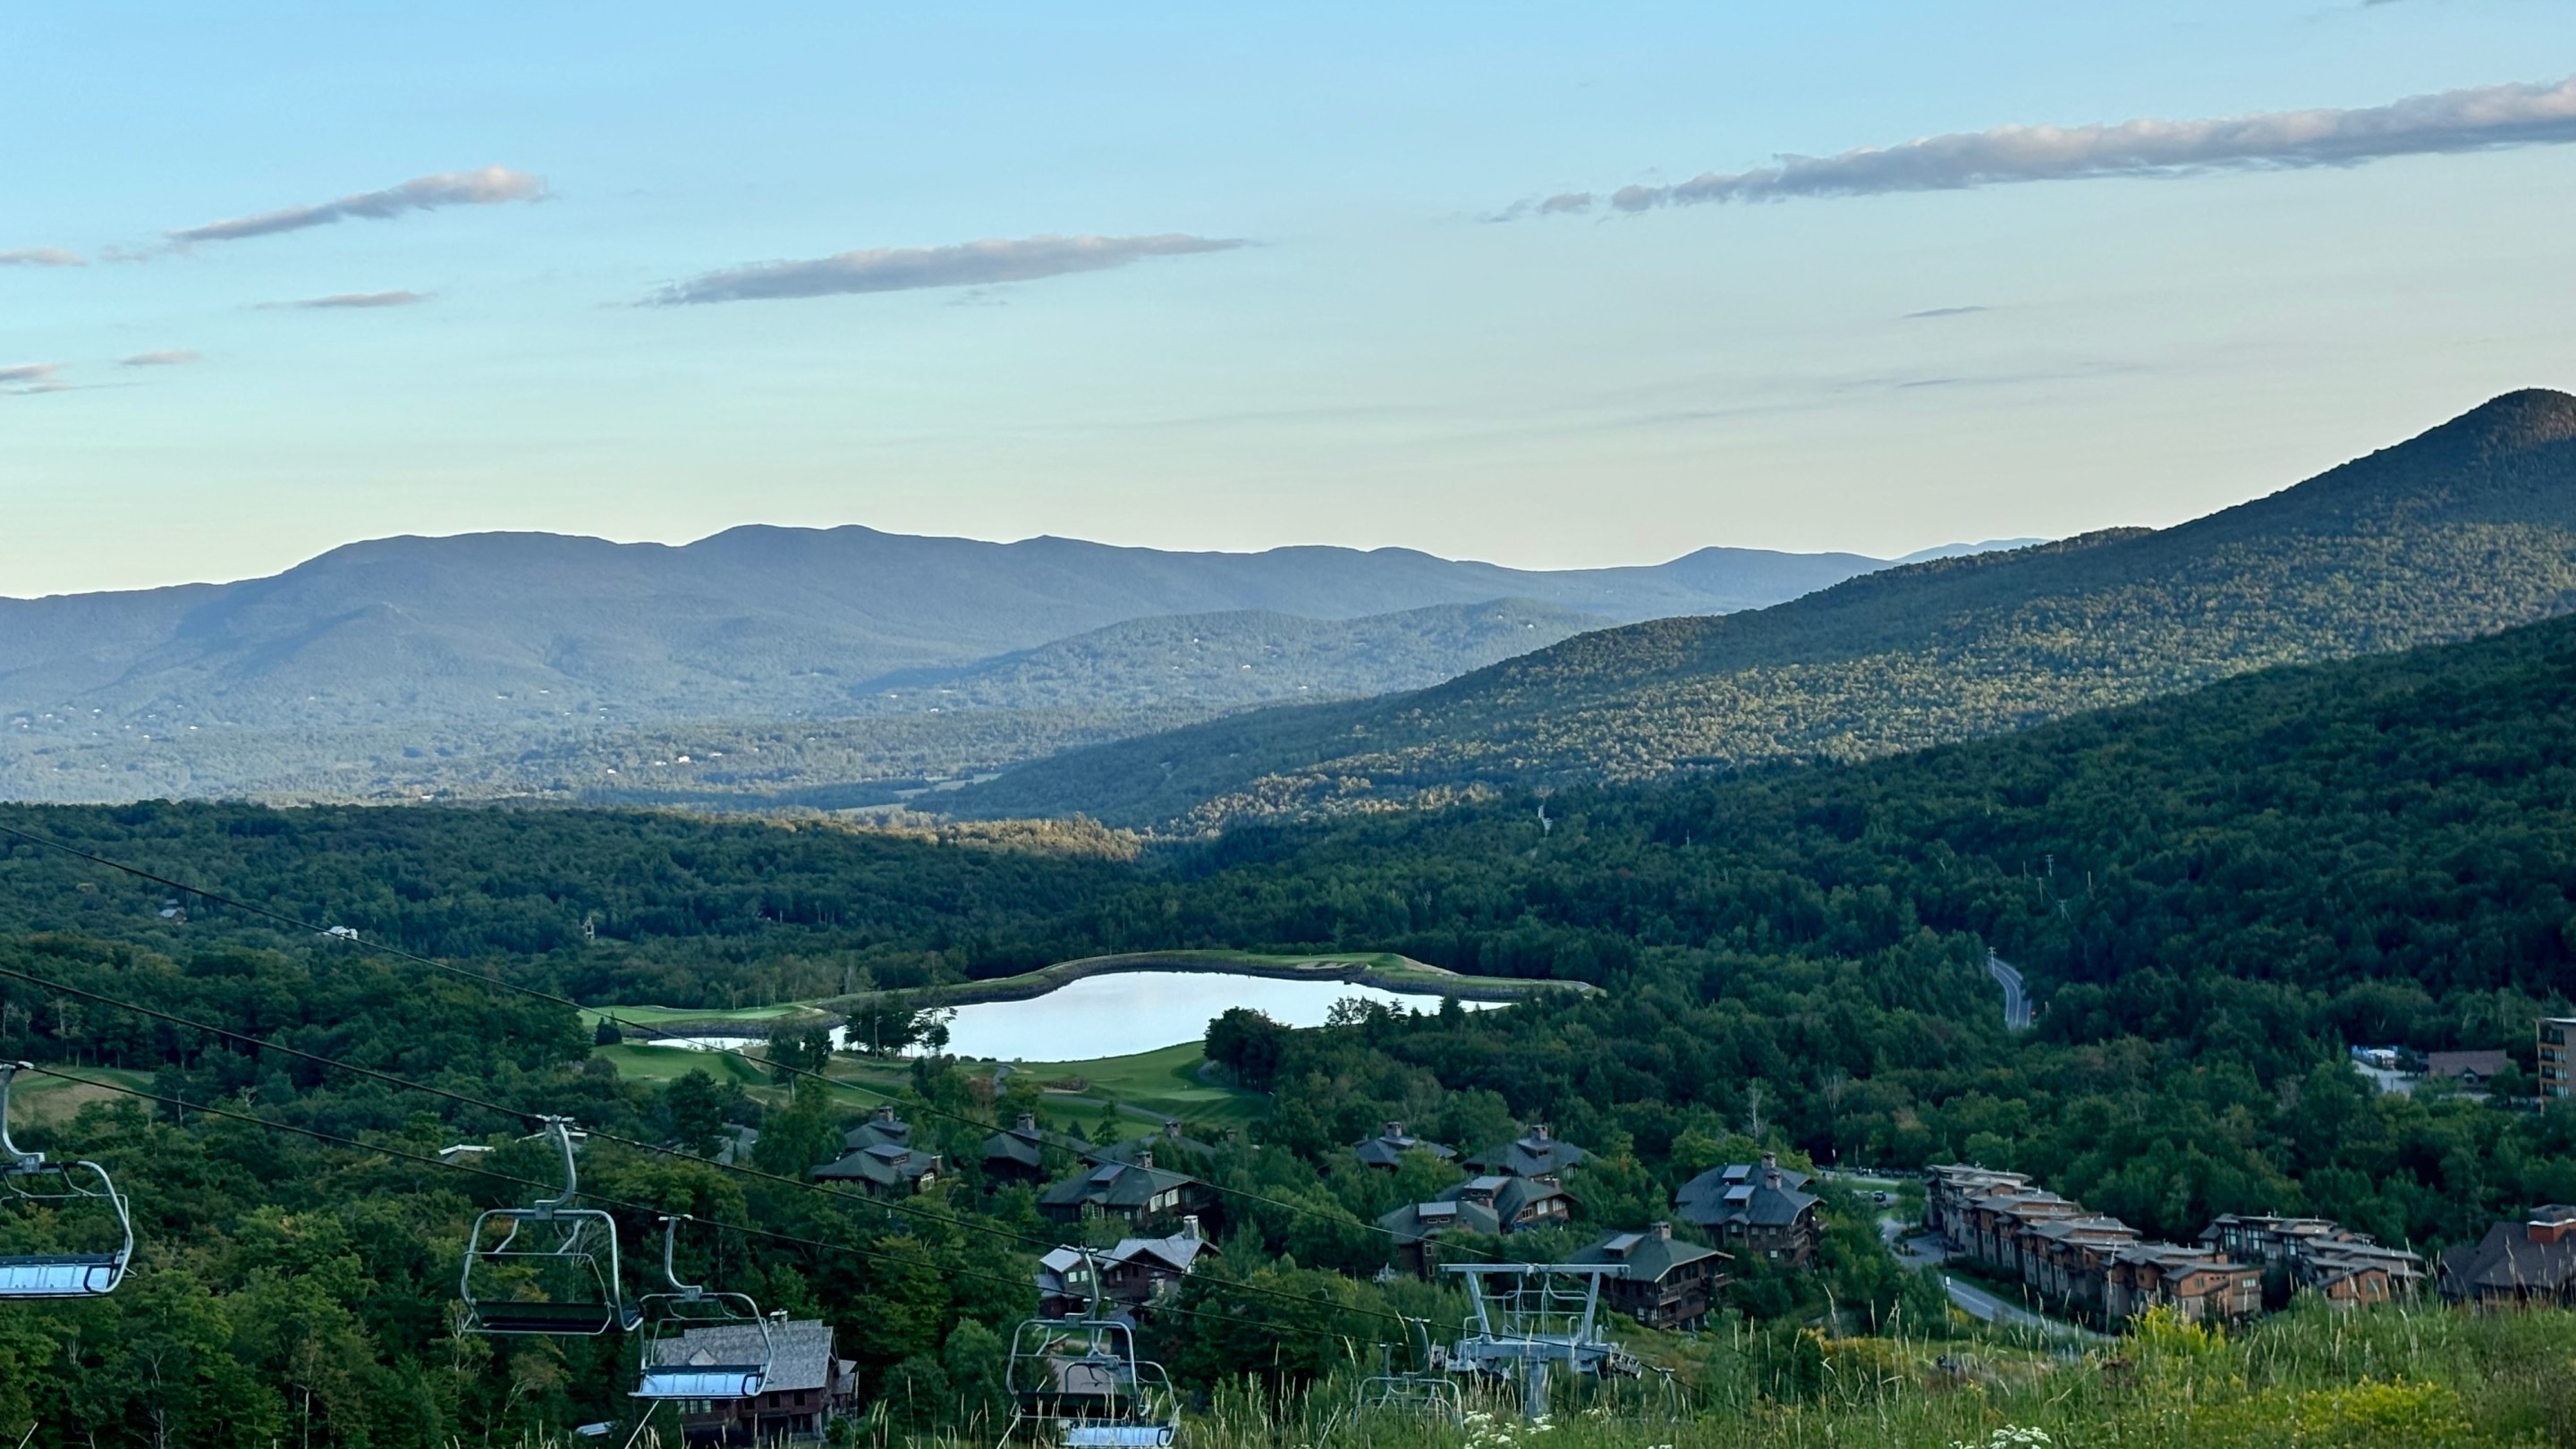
x: 482, y: 1104
x: 491, y: 980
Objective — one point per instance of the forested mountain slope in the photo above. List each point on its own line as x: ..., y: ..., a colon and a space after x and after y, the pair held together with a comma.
x: 916, y: 726
x: 534, y: 664
x: 2468, y: 528
x: 762, y: 621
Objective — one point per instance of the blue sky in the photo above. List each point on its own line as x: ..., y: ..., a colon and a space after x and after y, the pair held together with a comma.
x: 1402, y: 349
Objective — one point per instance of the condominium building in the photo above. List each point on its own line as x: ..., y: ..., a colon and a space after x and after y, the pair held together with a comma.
x: 2557, y: 1057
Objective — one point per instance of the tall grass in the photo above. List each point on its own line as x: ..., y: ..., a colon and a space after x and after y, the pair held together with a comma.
x: 2399, y: 1377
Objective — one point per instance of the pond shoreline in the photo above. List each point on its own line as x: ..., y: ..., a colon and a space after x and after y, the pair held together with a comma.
x: 1384, y: 971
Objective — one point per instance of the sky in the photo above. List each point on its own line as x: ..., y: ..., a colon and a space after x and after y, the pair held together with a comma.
x: 1551, y: 286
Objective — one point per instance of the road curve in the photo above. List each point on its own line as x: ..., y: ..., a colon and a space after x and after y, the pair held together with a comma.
x: 2016, y: 1001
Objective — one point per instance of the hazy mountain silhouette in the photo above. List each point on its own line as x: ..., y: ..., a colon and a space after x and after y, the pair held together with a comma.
x: 326, y: 679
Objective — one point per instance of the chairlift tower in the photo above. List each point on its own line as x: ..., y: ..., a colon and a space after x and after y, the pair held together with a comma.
x: 1532, y: 1316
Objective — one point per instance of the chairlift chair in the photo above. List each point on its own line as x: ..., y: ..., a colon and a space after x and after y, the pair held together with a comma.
x: 1428, y: 1392
x: 548, y: 1268
x: 737, y: 1359
x: 78, y: 1189
x: 1082, y: 1379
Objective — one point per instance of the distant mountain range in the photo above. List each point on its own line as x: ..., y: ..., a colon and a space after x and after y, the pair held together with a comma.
x: 388, y: 666
x: 2466, y: 529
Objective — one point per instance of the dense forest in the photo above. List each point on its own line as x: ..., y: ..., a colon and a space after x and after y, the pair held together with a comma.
x: 2468, y: 528
x: 892, y: 735
x: 2212, y: 895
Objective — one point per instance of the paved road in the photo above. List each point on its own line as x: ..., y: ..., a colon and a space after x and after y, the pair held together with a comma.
x: 2016, y: 1004
x: 1924, y: 1252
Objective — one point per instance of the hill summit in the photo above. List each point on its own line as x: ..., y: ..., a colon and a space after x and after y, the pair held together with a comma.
x: 2465, y: 529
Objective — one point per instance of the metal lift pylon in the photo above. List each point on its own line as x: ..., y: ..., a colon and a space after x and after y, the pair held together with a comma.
x: 1532, y: 1316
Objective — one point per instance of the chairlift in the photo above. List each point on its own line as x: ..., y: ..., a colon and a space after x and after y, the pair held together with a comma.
x: 731, y: 1353
x: 1428, y: 1392
x: 548, y: 1268
x: 71, y: 1194
x: 1082, y: 1380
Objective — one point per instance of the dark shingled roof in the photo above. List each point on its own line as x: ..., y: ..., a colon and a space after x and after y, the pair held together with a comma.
x: 1114, y: 1185
x: 1416, y: 1221
x: 883, y: 1129
x: 2507, y: 1261
x: 1166, y: 1144
x: 886, y: 1165
x: 1025, y: 1143
x: 1535, y: 1154
x: 1387, y: 1148
x: 800, y: 1352
x: 1648, y: 1256
x: 1764, y: 1198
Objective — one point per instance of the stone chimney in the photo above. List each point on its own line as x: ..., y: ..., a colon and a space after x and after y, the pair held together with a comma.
x: 1172, y: 1129
x: 1028, y: 1123
x: 1394, y: 1131
x: 1145, y: 1157
x: 1771, y: 1170
x: 1190, y: 1226
x: 885, y: 1113
x: 1538, y: 1132
x: 1660, y: 1230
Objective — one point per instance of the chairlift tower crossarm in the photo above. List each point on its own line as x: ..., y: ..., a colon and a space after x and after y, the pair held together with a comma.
x: 1532, y: 1316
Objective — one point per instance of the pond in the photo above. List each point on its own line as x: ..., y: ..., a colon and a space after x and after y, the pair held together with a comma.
x: 1120, y: 1013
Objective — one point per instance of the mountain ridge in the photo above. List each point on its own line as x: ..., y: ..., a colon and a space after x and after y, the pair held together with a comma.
x: 506, y: 661
x: 2469, y: 527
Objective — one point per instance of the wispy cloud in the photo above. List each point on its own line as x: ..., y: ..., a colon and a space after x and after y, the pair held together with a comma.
x: 173, y: 357
x: 2480, y: 119
x: 19, y: 379
x: 350, y: 299
x: 1931, y: 312
x: 40, y: 257
x: 903, y: 269
x: 490, y: 186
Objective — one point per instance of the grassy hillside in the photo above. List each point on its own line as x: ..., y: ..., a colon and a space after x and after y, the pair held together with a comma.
x: 2464, y: 530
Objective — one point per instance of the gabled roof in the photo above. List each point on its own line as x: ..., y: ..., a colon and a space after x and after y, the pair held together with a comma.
x: 885, y: 1164
x: 1714, y: 1184
x: 2455, y: 1064
x: 2506, y: 1260
x: 1114, y: 1185
x: 1416, y: 1221
x: 800, y: 1352
x: 1509, y: 1197
x: 1176, y: 1252
x: 1649, y: 1257
x: 1766, y: 1199
x: 1060, y: 1272
x: 878, y: 1130
x: 1025, y: 1143
x: 1164, y: 1144
x: 1388, y: 1147
x: 1533, y: 1154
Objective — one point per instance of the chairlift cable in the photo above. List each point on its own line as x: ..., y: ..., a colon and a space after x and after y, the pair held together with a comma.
x: 747, y: 1230
x: 388, y: 1078
x: 343, y: 936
